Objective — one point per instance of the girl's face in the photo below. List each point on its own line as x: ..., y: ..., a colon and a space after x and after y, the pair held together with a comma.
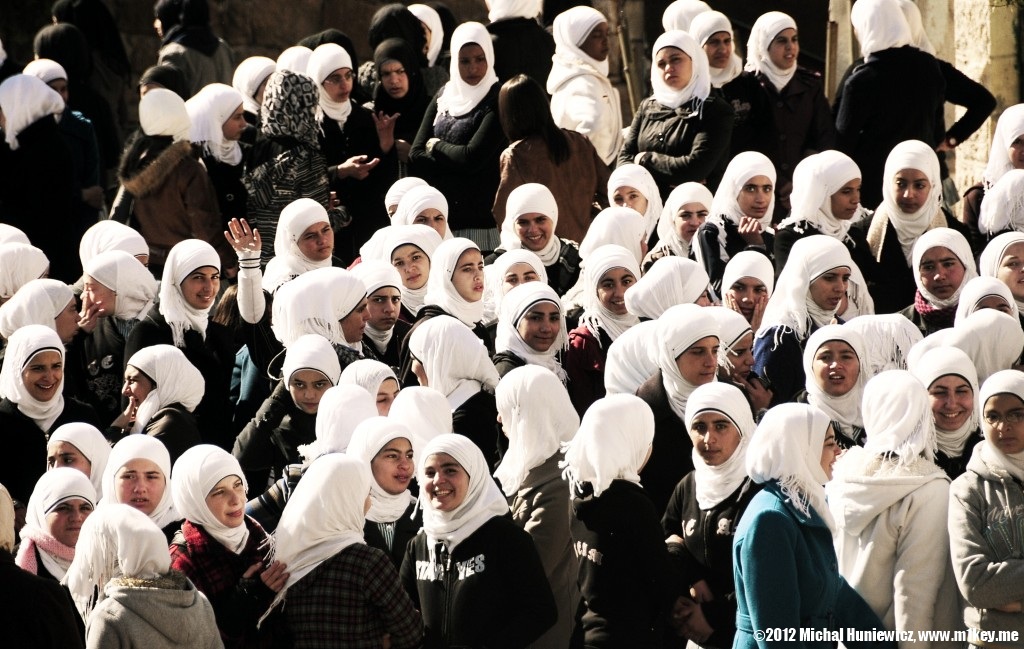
x: 136, y: 384
x: 101, y: 297
x: 756, y: 196
x: 64, y: 522
x: 468, y: 277
x: 306, y: 388
x: 200, y: 288
x: 784, y: 49
x: 714, y: 436
x: 631, y: 197
x: 338, y: 84
x: 66, y: 322
x: 62, y: 453
x: 518, y: 274
x: 596, y: 43
x: 688, y: 219
x: 386, y: 394
x: 42, y: 375
x: 140, y: 483
x: 540, y: 326
x: 383, y: 306
x: 836, y: 368
x: 941, y: 272
x: 741, y: 357
x: 719, y: 49
x: 433, y: 218
x: 534, y: 230
x: 393, y: 466
x: 395, y: 79
x: 952, y: 400
x: 226, y: 501
x: 354, y: 324
x: 1016, y: 153
x: 828, y: 289
x: 316, y: 243
x: 912, y: 189
x: 1003, y: 422
x: 845, y: 202
x: 829, y: 452
x: 234, y: 126
x: 698, y: 364
x: 472, y: 63
x: 1011, y: 270
x: 747, y: 292
x: 676, y: 67
x: 611, y: 290
x: 446, y: 483
x: 413, y: 264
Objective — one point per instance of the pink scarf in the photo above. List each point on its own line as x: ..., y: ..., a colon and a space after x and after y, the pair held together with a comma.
x: 31, y: 537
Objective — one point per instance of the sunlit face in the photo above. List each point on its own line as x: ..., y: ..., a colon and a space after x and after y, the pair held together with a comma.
x: 994, y: 302
x: 384, y: 305
x: 952, y: 400
x: 719, y: 49
x: 472, y: 63
x: 64, y: 522
x: 61, y: 86
x: 66, y: 322
x: 140, y: 483
x: 846, y: 201
x: 827, y: 290
x: 911, y: 188
x: 941, y: 272
x: 835, y: 368
x: 394, y: 79
x: 226, y: 501
x: 468, y: 278
x: 393, y: 466
x: 741, y: 357
x: 534, y: 230
x: 42, y: 375
x: 784, y: 49
x: 540, y: 325
x: 698, y: 364
x: 354, y: 324
x: 234, y: 126
x: 630, y: 197
x: 61, y: 453
x: 1016, y: 153
x: 747, y: 292
x: 611, y: 289
x: 595, y: 45
x: 688, y: 218
x: 829, y: 452
x: 306, y: 388
x: 714, y: 436
x: 338, y: 84
x: 1007, y: 437
x: 1011, y: 270
x: 386, y: 394
x: 433, y: 218
x: 101, y: 297
x: 136, y: 384
x: 518, y: 274
x: 445, y: 482
x: 316, y: 243
x: 413, y: 264
x: 675, y: 66
x: 755, y: 197
x: 201, y: 286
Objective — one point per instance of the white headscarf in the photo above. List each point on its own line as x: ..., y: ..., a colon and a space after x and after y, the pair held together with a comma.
x: 128, y: 279
x: 570, y: 30
x: 682, y: 195
x: 400, y: 188
x: 458, y: 97
x: 716, y: 483
x: 417, y: 200
x: 1009, y: 127
x: 622, y: 226
x: 295, y: 59
x: 432, y: 20
x: 732, y: 327
x: 699, y: 86
x: 979, y: 289
x: 374, y: 246
x: 454, y: 359
x: 323, y: 516
x: 514, y: 307
x: 815, y: 179
x: 932, y: 366
x: 175, y: 379
x: 843, y: 410
x: 24, y: 100
x: 992, y: 256
x: 325, y: 60
x: 911, y: 154
x: 752, y: 264
x: 681, y: 13
x: 1005, y: 382
x: 427, y: 240
x: 184, y: 259
x: 342, y: 408
x: 369, y: 438
x: 46, y: 69
x: 311, y: 352
x: 1003, y: 207
x: 54, y: 487
x: 595, y: 316
x: 142, y: 447
x: 20, y: 263
x: 315, y: 303
x: 764, y: 31
x: 741, y: 169
x: 424, y: 410
x: 109, y: 235
x: 367, y: 374
x: 248, y: 76
x: 637, y: 177
x: 918, y: 36
x: 671, y: 281
x: 888, y: 339
x: 538, y: 418
x: 632, y: 358
x: 209, y: 109
x: 195, y: 474
x: 702, y: 28
x: 22, y: 347
x: 992, y: 339
x: 958, y: 245
x: 494, y: 277
x: 482, y: 502
x: 38, y: 301
x: 288, y: 261
x: 441, y: 291
x: 11, y: 234
x: 375, y: 275
x: 502, y: 9
x: 612, y: 443
x: 786, y: 447
x: 678, y: 329
x: 115, y: 541
x: 163, y: 112
x: 531, y: 198
x: 93, y: 446
x: 879, y: 25
x: 898, y: 417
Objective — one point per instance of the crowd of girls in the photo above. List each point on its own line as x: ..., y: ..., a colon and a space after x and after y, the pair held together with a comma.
x: 440, y: 351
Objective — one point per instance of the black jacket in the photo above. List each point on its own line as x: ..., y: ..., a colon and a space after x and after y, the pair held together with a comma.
x: 477, y: 419
x: 99, y: 375
x: 391, y: 356
x: 671, y: 449
x: 506, y: 361
x: 521, y: 46
x: 232, y: 195
x: 34, y: 611
x: 856, y: 242
x: 490, y: 592
x: 711, y: 249
x: 563, y: 273
x: 406, y: 528
x: 270, y: 441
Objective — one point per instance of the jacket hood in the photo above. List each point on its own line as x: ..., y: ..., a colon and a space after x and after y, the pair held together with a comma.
x: 983, y: 469
x: 170, y: 605
x: 865, y: 485
x: 562, y: 74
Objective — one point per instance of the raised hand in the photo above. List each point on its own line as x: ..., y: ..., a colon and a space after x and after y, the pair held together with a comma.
x: 243, y: 239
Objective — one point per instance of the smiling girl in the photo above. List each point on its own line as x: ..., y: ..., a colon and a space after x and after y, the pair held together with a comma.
x: 531, y: 330
x: 943, y: 263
